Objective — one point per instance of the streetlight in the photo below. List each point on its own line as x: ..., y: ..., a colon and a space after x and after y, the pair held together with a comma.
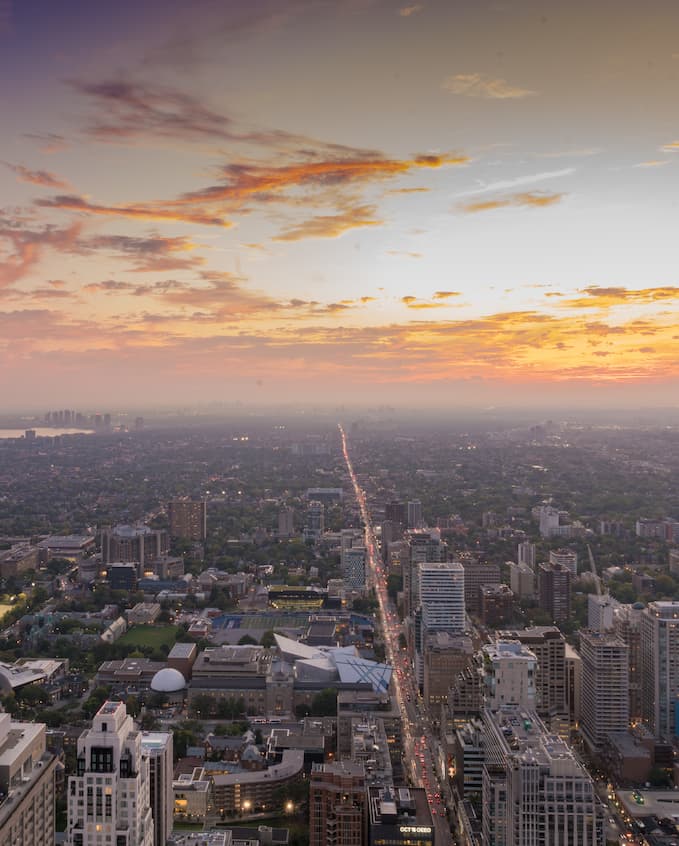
x: 289, y: 807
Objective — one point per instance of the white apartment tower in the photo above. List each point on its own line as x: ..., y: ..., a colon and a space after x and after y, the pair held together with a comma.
x: 535, y: 792
x: 109, y: 801
x: 509, y: 671
x: 660, y: 666
x: 605, y: 686
x: 441, y: 593
x: 567, y: 557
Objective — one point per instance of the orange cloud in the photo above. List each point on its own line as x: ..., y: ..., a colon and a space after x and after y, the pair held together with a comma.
x: 331, y: 226
x: 531, y: 199
x: 405, y: 253
x: 672, y: 147
x: 152, y: 211
x: 150, y: 254
x: 444, y: 295
x: 407, y: 11
x: 596, y: 297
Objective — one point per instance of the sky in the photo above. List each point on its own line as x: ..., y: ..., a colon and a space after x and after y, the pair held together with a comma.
x: 422, y: 203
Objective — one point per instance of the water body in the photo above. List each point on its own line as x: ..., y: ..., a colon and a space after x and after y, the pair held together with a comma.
x: 42, y: 432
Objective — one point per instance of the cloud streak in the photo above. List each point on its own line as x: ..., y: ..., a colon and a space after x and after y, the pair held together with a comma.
x: 486, y: 87
x: 529, y: 199
x: 43, y: 178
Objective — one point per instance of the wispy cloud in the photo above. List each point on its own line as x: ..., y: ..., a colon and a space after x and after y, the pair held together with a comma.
x: 653, y: 163
x: 480, y: 85
x: 50, y: 142
x: 527, y: 179
x: 141, y: 211
x: 36, y: 177
x: 407, y: 11
x: 21, y: 248
x: 333, y: 225
x: 596, y: 297
x: 404, y: 253
x: 671, y: 147
x: 529, y: 199
x: 152, y: 254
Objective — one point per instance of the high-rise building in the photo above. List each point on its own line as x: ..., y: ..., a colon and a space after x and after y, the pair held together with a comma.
x: 476, y: 574
x: 497, y: 605
x: 548, y: 645
x: 445, y: 656
x: 396, y: 512
x: 535, y: 791
x: 526, y: 554
x: 509, y: 672
x: 415, y: 520
x: 133, y: 544
x: 286, y: 522
x: 423, y: 547
x: 188, y: 519
x: 109, y: 801
x: 660, y: 667
x: 554, y: 590
x: 353, y: 567
x: 567, y: 557
x: 600, y: 612
x: 27, y: 783
x: 156, y: 746
x: 627, y: 626
x: 522, y: 580
x: 441, y: 593
x: 315, y: 521
x: 337, y: 804
x: 605, y: 686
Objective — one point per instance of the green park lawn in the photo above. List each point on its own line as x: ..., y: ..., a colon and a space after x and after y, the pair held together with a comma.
x: 154, y: 636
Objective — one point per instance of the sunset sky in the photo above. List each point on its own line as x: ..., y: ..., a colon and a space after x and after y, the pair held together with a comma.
x: 331, y: 200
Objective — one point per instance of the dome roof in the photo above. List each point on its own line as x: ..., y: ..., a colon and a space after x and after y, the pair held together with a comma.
x: 168, y: 680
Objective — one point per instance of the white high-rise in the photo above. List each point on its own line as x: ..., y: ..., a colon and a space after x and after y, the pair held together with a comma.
x: 109, y: 800
x: 660, y: 666
x: 441, y: 590
x: 605, y: 686
x: 535, y: 792
x: 510, y: 672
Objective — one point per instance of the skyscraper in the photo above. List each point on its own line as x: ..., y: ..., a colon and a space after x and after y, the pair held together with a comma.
x: 109, y: 798
x: 337, y: 804
x: 415, y: 520
x: 567, y: 557
x: 509, y: 670
x: 534, y: 789
x: 27, y: 774
x: 156, y: 746
x: 188, y: 519
x: 315, y: 521
x: 660, y: 667
x: 286, y: 522
x: 441, y: 591
x: 554, y: 589
x: 526, y: 554
x: 605, y: 686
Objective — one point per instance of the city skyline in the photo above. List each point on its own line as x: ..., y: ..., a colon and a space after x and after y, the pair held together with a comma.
x: 401, y: 202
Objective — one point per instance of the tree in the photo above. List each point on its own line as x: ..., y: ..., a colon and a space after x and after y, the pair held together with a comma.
x: 324, y: 703
x: 247, y: 640
x: 268, y: 639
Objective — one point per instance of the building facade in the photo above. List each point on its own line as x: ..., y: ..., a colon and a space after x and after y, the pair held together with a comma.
x: 109, y: 800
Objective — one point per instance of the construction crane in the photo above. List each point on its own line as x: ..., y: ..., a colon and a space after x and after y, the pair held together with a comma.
x: 592, y: 567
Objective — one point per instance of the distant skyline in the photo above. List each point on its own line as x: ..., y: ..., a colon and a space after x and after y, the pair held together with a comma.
x: 328, y: 201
